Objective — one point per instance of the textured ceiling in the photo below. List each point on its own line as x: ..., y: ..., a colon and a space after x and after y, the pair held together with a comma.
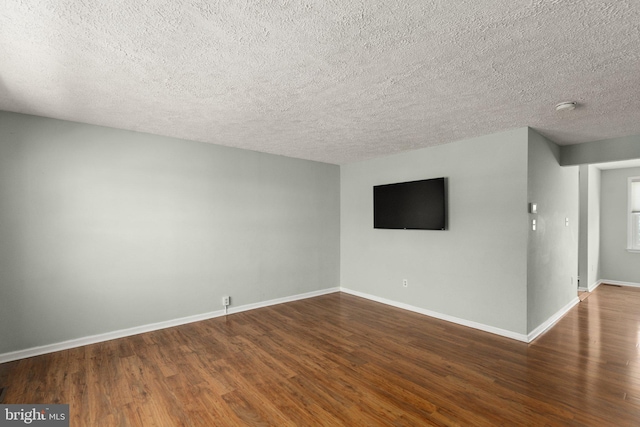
x: 334, y: 81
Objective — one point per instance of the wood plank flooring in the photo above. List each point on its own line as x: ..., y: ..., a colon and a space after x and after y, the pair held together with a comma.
x: 341, y: 360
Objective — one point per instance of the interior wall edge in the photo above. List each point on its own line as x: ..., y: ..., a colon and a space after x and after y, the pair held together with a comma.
x: 552, y: 320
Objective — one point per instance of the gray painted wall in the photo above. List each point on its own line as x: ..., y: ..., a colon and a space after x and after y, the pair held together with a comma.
x: 616, y: 262
x: 589, y: 240
x: 553, y: 248
x: 583, y: 237
x: 104, y: 229
x: 476, y: 270
x: 607, y: 150
x: 593, y: 251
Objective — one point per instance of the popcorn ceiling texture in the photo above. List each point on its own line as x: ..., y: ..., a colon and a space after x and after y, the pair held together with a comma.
x: 332, y: 81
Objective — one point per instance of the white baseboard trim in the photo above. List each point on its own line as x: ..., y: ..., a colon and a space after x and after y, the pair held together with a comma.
x: 551, y: 320
x: 446, y: 317
x: 247, y: 307
x: 619, y: 283
x: 590, y: 288
x: 79, y: 342
x: 594, y: 286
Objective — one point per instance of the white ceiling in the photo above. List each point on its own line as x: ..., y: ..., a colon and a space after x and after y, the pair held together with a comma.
x: 335, y: 81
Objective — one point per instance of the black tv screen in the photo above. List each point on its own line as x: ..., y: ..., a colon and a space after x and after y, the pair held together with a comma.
x: 415, y: 205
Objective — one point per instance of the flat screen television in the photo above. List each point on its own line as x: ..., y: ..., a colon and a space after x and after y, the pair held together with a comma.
x: 415, y: 205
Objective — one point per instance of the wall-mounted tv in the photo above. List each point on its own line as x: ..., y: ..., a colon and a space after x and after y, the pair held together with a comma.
x: 415, y: 205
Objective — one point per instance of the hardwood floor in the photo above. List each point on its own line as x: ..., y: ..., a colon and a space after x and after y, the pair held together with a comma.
x: 341, y: 360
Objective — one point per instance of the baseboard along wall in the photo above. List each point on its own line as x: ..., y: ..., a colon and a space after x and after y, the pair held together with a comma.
x: 617, y: 283
x: 441, y: 316
x: 78, y: 342
x: 475, y: 325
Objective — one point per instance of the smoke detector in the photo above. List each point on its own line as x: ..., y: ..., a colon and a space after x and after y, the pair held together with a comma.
x: 566, y: 106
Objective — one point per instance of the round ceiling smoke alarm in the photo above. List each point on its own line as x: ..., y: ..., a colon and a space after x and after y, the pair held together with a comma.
x: 566, y: 106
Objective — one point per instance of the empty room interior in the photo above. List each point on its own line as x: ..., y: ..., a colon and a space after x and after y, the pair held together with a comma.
x: 321, y: 213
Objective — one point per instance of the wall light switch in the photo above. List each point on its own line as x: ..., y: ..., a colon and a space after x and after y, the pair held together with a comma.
x: 533, y: 208
x: 566, y: 222
x: 533, y: 224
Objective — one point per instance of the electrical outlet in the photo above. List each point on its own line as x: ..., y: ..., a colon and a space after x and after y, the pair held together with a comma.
x: 405, y: 283
x: 226, y: 301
